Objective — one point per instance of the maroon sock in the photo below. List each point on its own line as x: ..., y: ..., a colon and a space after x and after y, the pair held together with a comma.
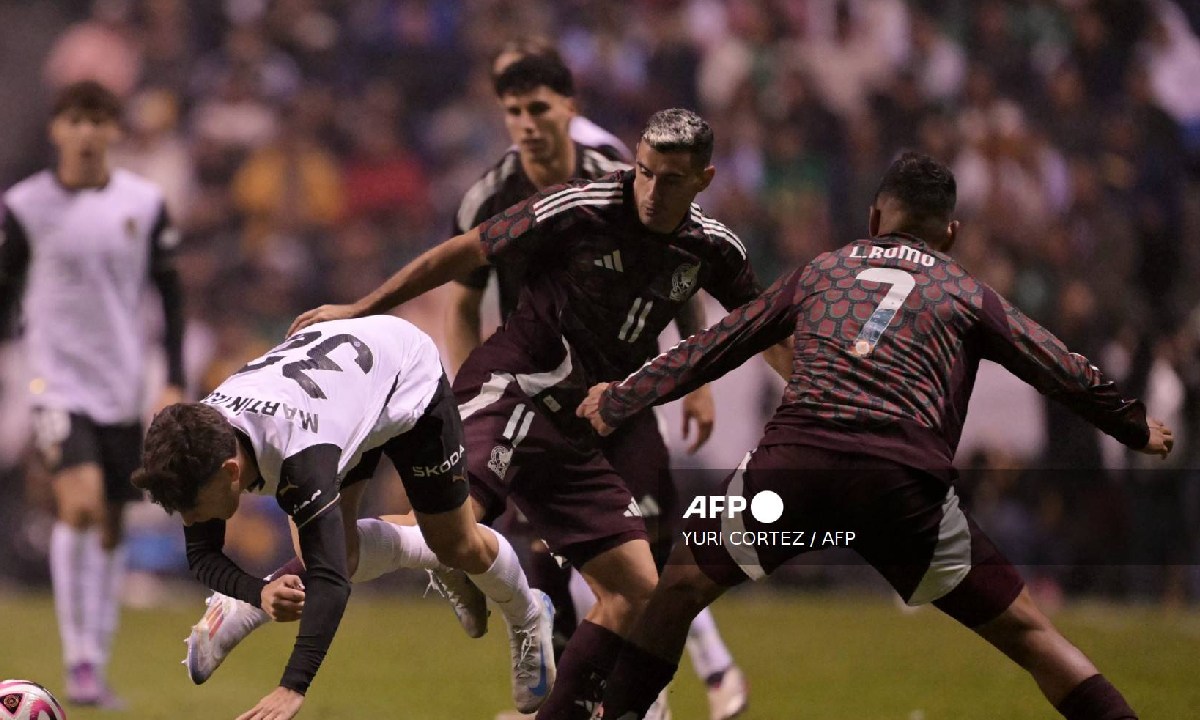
x: 585, y: 664
x: 1095, y: 699
x: 635, y: 682
x: 291, y: 567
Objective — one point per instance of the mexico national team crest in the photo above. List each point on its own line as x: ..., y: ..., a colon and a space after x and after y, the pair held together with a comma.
x: 683, y: 282
x: 499, y: 460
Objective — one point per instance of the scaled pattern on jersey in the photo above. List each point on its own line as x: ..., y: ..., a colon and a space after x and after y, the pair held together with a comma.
x: 888, y: 337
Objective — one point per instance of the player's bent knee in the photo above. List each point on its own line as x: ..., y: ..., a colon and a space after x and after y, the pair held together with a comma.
x: 465, y: 552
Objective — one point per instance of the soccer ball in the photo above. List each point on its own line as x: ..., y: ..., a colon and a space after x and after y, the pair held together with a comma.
x: 25, y: 700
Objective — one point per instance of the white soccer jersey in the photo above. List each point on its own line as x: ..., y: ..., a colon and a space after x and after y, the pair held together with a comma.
x: 352, y: 384
x: 90, y: 253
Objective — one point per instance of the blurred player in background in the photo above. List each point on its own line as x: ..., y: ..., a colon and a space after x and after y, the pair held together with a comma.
x: 308, y: 423
x: 80, y: 246
x: 552, y: 143
x: 888, y: 332
x: 608, y: 265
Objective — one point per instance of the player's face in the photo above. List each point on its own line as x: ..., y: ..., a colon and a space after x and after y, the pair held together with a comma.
x: 82, y: 136
x: 664, y: 186
x: 217, y: 500
x: 538, y: 123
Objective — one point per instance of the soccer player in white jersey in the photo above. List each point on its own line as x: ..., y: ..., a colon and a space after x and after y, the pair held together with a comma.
x: 307, y: 423
x: 80, y: 245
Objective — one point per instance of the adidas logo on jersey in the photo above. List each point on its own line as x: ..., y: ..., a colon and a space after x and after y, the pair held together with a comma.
x: 633, y: 510
x: 611, y: 261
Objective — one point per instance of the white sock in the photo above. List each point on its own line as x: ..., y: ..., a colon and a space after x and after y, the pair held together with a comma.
x: 114, y: 576
x: 66, y: 546
x: 705, y: 647
x: 93, y: 569
x: 582, y: 596
x: 505, y: 583
x: 384, y: 547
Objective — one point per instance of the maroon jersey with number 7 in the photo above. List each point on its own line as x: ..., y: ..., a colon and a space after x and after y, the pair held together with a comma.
x: 888, y: 336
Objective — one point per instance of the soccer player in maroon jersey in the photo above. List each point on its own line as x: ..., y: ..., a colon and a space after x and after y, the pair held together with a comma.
x: 610, y: 263
x: 888, y: 334
x: 551, y: 144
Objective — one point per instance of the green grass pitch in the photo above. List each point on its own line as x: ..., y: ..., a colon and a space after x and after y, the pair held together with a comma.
x: 822, y: 656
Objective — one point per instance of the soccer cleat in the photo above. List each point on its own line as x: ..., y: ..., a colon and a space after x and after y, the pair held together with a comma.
x: 660, y: 710
x: 729, y: 696
x: 468, y: 601
x: 225, y: 624
x: 533, y: 656
x: 83, y: 684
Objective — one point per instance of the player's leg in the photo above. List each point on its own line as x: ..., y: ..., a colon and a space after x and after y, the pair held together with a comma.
x: 649, y: 660
x: 433, y: 463
x: 915, y: 532
x: 1064, y: 674
x: 622, y: 579
x: 69, y: 448
x: 640, y: 456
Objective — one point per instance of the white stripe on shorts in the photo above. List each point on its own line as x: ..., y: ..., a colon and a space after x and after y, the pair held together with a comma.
x: 951, y: 560
x: 743, y: 554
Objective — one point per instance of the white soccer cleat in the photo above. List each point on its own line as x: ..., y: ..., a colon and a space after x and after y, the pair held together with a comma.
x: 730, y: 697
x: 225, y: 624
x: 661, y: 709
x: 467, y: 600
x: 533, y: 656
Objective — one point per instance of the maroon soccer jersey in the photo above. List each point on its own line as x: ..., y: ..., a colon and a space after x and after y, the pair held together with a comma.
x: 889, y: 334
x: 505, y: 185
x: 599, y: 287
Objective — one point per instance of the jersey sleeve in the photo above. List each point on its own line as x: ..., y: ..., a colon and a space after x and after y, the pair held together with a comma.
x: 14, y: 267
x: 308, y: 493
x: 525, y: 227
x: 736, y: 283
x: 209, y: 564
x: 707, y: 355
x: 164, y: 239
x: 1035, y: 355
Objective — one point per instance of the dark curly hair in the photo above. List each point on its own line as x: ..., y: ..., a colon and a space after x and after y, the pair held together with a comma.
x: 184, y: 447
x: 924, y: 186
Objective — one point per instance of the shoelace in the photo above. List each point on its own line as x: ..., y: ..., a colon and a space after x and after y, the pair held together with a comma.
x: 444, y: 590
x: 525, y: 661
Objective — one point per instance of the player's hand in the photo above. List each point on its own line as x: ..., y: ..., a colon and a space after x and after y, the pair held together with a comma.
x: 283, y: 598
x: 590, y: 409
x: 321, y: 314
x: 1161, y: 439
x: 281, y: 704
x: 698, y: 407
x: 170, y: 395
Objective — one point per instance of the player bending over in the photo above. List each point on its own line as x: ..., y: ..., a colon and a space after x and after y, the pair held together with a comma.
x: 889, y: 332
x: 307, y: 423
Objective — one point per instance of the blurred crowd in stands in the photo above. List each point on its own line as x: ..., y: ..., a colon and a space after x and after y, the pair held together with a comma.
x: 309, y: 147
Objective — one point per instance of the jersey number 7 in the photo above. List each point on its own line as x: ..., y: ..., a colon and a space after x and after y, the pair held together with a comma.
x: 902, y: 284
x: 317, y: 358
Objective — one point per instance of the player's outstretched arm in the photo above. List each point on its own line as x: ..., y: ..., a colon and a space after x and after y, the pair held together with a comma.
x: 764, y: 321
x: 1035, y: 355
x: 453, y: 258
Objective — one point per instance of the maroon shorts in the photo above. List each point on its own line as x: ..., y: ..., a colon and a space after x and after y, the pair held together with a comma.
x: 905, y: 523
x: 573, y: 494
